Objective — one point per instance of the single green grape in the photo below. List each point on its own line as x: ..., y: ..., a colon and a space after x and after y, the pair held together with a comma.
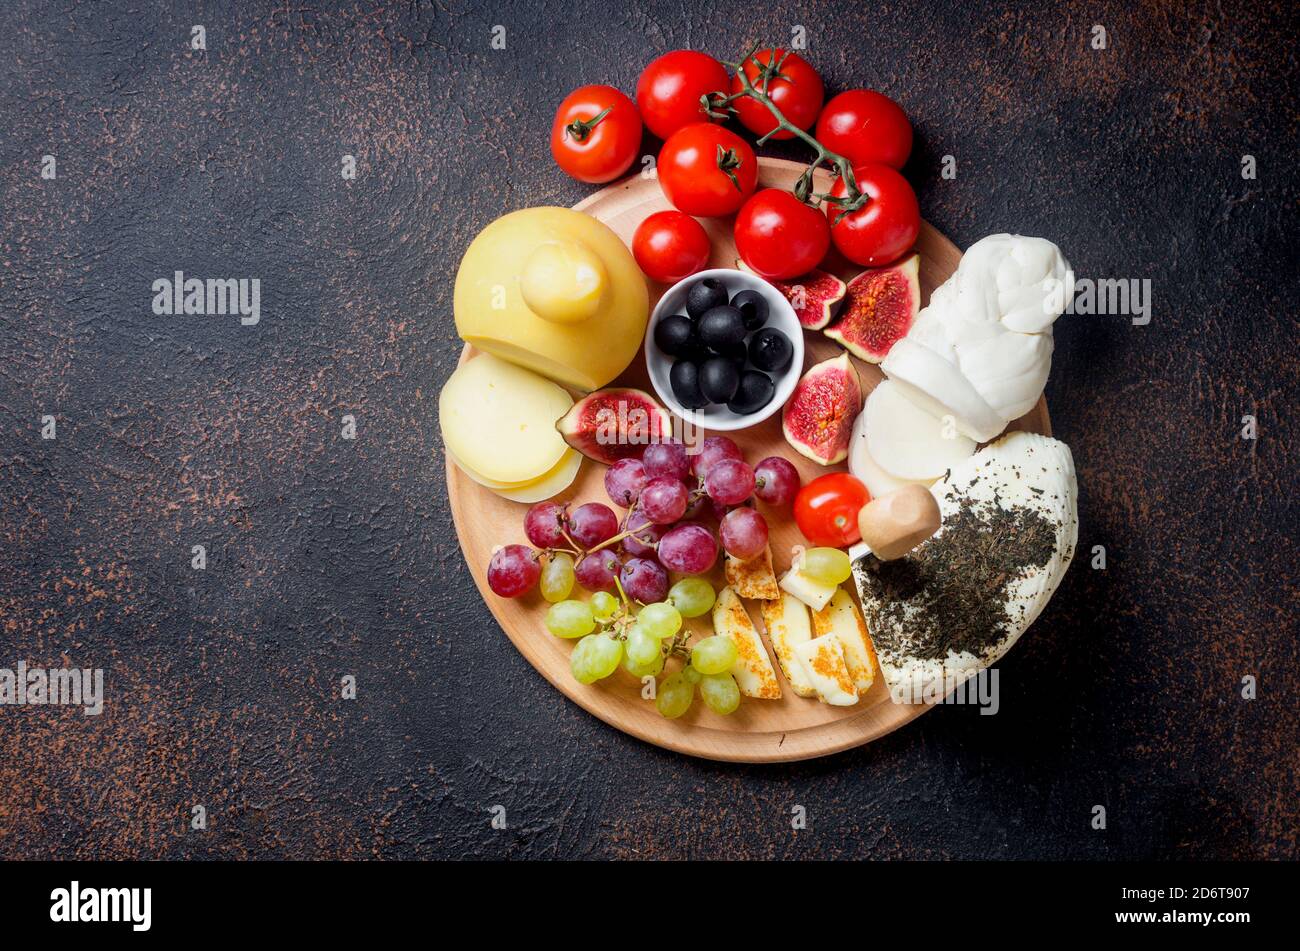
x: 595, y: 657
x: 674, y: 696
x: 641, y: 646
x: 713, y: 655
x: 653, y: 669
x: 691, y: 596
x: 604, y: 605
x: 827, y: 565
x: 557, y: 577
x: 660, y: 620
x: 720, y: 693
x: 570, y: 619
x: 691, y: 674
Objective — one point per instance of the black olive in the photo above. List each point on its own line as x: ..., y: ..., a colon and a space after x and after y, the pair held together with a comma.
x: 754, y: 392
x: 673, y: 335
x: 703, y: 296
x: 770, y: 350
x: 722, y: 328
x: 737, y: 352
x: 719, y: 379
x: 684, y: 376
x: 753, y: 308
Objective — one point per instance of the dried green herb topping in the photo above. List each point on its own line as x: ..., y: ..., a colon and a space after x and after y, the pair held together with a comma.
x: 952, y: 593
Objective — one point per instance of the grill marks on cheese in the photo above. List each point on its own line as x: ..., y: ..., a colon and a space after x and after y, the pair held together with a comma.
x: 753, y: 579
x: 753, y: 669
x: 826, y: 662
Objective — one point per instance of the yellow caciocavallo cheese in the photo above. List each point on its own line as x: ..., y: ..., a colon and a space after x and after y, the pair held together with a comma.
x: 555, y: 291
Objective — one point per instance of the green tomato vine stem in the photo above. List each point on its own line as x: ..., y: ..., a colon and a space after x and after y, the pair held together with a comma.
x: 718, y: 105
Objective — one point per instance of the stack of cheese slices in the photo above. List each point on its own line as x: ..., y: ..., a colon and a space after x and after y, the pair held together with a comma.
x: 498, y: 427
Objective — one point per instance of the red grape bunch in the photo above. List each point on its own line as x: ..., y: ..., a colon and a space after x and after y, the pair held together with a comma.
x: 665, y: 493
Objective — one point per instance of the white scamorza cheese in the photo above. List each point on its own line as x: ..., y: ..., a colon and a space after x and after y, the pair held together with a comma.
x: 981, y: 350
x: 1028, y: 477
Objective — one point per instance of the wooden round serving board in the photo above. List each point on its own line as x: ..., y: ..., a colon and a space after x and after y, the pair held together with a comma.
x: 761, y: 731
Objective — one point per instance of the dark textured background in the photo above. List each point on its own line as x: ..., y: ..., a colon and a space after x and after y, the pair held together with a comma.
x: 330, y: 557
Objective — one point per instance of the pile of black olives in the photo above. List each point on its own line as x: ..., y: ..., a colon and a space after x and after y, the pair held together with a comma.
x: 721, y: 351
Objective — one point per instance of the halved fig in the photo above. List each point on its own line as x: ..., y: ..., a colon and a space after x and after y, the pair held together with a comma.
x: 818, y: 419
x: 609, y: 425
x: 879, y: 308
x: 814, y: 297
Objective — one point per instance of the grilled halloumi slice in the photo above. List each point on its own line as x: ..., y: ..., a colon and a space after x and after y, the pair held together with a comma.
x: 753, y: 669
x: 822, y: 659
x: 786, y: 620
x: 754, y: 578
x: 842, y: 618
x: 812, y: 593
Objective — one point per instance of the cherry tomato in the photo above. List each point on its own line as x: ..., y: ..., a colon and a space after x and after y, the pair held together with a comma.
x: 826, y: 509
x: 798, y: 93
x: 866, y: 126
x: 669, y: 246
x: 706, y: 170
x: 669, y: 90
x: 779, y: 237
x: 885, y: 227
x: 596, y: 134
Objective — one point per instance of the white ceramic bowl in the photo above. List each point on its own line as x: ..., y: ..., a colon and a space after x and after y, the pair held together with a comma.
x: 780, y: 315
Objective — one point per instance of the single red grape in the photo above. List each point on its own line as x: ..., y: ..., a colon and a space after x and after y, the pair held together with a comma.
x: 744, y: 533
x: 776, y: 481
x: 597, y: 571
x: 544, y: 525
x: 666, y: 459
x: 624, y: 481
x: 729, y: 481
x: 644, y: 580
x: 663, y: 500
x: 592, y: 523
x: 688, y: 549
x: 513, y: 570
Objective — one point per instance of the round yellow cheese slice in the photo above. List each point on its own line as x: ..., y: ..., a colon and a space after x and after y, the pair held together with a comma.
x: 498, y: 420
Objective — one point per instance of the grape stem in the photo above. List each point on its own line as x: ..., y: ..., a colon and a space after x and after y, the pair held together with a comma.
x: 718, y: 105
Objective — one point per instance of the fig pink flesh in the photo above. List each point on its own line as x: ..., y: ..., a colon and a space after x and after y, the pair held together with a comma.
x: 818, y: 420
x: 879, y: 309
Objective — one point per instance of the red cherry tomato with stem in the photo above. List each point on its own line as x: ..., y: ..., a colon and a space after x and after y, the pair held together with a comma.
x: 866, y: 126
x: 596, y: 134
x: 706, y: 170
x: 793, y: 86
x: 826, y: 509
x: 669, y: 90
x: 779, y: 237
x: 886, y: 225
x: 669, y: 246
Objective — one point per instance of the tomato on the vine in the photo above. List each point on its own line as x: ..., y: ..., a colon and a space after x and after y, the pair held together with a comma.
x: 669, y: 246
x: 669, y: 90
x: 596, y: 134
x: 779, y: 237
x: 826, y: 509
x: 885, y: 227
x: 866, y: 126
x: 706, y: 170
x: 798, y: 93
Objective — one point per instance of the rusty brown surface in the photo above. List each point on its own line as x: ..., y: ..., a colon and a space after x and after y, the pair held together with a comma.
x: 329, y: 557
